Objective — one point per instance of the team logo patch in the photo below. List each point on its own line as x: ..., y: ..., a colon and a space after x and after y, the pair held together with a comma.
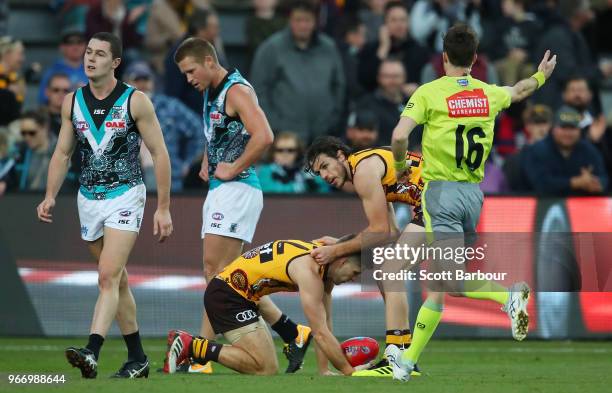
x: 469, y: 103
x: 117, y: 113
x: 239, y: 280
x: 217, y: 216
x: 463, y: 82
x: 233, y: 228
x: 125, y: 213
x: 84, y: 230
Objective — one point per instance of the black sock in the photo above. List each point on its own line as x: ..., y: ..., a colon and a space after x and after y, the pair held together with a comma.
x: 134, y: 347
x: 285, y: 328
x: 204, y: 351
x: 95, y: 343
x: 401, y: 338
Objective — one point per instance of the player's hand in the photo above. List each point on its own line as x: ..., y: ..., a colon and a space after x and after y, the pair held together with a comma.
x: 597, y: 129
x: 324, y: 255
x: 547, y: 65
x: 403, y: 176
x: 225, y: 171
x: 162, y: 224
x: 326, y: 240
x: 204, y: 170
x: 44, y: 210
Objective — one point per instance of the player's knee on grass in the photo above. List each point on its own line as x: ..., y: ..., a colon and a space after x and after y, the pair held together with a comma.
x: 255, y: 340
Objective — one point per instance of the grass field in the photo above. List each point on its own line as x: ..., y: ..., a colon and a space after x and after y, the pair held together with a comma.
x: 449, y: 366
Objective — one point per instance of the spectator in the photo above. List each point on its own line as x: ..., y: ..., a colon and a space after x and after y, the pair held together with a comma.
x: 511, y: 41
x: 115, y: 17
x: 12, y: 84
x: 431, y: 19
x: 284, y: 174
x: 203, y: 24
x: 373, y: 16
x: 72, y: 47
x: 34, y: 155
x: 262, y: 24
x: 58, y: 86
x: 494, y: 181
x: 167, y: 23
x: 563, y: 163
x: 577, y: 94
x: 6, y: 164
x: 388, y: 100
x: 181, y: 126
x: 566, y: 40
x: 394, y: 41
x: 538, y: 122
x: 362, y: 130
x: 298, y: 76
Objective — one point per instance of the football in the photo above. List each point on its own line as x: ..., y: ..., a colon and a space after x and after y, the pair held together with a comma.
x: 360, y: 350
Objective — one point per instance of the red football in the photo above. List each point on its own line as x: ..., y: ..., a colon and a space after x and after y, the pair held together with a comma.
x: 360, y: 350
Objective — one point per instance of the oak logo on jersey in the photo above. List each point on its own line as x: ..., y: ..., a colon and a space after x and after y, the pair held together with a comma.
x: 239, y: 279
x: 216, y: 117
x: 469, y: 103
x: 115, y: 124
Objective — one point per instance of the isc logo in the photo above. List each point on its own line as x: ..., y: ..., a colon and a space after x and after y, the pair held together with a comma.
x: 114, y: 124
x: 99, y: 111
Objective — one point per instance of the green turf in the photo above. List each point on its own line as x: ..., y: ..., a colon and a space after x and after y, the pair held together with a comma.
x: 450, y: 366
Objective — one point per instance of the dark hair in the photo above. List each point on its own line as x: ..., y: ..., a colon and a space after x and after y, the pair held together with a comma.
x: 57, y: 75
x: 199, y: 20
x: 302, y: 5
x: 40, y: 117
x: 460, y: 45
x: 575, y: 78
x: 350, y: 24
x: 196, y: 48
x: 328, y: 145
x: 115, y: 43
x: 395, y: 4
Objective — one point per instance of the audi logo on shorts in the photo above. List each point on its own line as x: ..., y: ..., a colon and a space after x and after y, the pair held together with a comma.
x: 246, y: 316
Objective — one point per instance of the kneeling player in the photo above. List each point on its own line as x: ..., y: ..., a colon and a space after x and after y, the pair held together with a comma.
x: 231, y: 302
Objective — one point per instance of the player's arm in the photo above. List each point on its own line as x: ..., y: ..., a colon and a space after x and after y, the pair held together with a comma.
x: 322, y: 360
x: 60, y: 162
x: 526, y: 87
x: 311, y: 289
x: 242, y: 102
x: 399, y: 142
x: 370, y: 191
x: 151, y: 133
x: 393, y: 226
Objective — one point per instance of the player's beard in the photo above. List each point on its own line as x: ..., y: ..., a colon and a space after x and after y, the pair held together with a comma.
x: 343, y: 178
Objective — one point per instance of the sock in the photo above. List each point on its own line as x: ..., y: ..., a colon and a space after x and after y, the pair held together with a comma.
x: 427, y: 320
x: 486, y: 290
x: 285, y: 328
x: 134, y: 347
x: 95, y: 343
x: 401, y: 338
x: 204, y: 351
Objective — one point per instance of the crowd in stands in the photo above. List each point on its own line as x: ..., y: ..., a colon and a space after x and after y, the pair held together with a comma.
x: 331, y: 67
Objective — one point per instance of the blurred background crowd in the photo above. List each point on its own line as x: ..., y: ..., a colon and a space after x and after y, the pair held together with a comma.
x: 319, y: 67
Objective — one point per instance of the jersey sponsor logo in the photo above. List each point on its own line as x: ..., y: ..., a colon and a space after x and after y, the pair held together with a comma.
x: 238, y: 278
x: 124, y: 222
x: 115, y: 124
x: 82, y: 126
x: 218, y: 216
x: 470, y: 103
x: 246, y: 315
x: 216, y: 117
x: 99, y: 111
x: 215, y: 225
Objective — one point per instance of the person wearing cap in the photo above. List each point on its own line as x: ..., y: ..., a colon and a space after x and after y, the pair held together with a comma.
x: 180, y: 125
x: 362, y: 130
x: 563, y: 163
x: 538, y: 121
x: 72, y: 48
